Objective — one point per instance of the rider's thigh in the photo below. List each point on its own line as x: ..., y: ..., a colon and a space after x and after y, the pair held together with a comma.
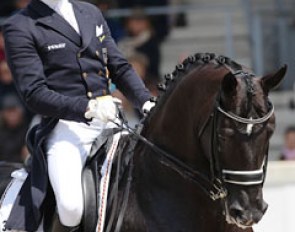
x: 64, y: 168
x: 67, y: 148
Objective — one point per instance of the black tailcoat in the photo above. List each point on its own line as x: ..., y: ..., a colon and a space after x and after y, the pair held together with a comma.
x: 57, y: 71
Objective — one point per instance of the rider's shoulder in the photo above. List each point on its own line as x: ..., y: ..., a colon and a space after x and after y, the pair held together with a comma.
x: 19, y: 20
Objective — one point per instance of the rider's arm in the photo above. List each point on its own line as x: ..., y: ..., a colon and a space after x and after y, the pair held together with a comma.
x: 122, y: 73
x: 28, y: 73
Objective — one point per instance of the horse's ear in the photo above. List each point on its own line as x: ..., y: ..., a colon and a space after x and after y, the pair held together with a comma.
x: 273, y: 80
x: 229, y: 84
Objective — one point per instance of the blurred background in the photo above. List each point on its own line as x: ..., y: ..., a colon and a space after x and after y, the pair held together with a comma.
x: 155, y: 35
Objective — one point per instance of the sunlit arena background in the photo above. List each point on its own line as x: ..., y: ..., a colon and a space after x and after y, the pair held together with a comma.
x: 155, y: 35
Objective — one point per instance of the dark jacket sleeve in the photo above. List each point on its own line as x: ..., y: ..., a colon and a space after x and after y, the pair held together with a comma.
x: 122, y: 73
x: 30, y: 80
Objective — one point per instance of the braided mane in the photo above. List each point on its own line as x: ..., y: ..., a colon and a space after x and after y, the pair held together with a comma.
x: 189, y: 64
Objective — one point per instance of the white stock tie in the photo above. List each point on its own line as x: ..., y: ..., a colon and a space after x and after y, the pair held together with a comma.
x: 65, y: 9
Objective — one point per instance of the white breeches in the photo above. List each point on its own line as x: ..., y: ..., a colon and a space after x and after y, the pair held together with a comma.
x: 67, y: 148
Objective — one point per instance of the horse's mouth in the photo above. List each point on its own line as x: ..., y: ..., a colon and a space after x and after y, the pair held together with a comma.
x: 239, y: 223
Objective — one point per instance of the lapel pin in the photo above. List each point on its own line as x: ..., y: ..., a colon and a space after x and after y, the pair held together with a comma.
x: 99, y: 30
x: 101, y: 38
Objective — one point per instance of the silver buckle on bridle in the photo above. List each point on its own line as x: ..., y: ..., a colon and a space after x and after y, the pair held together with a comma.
x: 220, y: 193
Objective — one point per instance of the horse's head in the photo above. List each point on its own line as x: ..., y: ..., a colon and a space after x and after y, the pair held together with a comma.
x: 244, y: 125
x: 232, y: 140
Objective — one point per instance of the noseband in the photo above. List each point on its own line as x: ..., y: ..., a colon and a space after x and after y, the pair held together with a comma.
x: 237, y: 177
x: 214, y: 187
x: 246, y: 178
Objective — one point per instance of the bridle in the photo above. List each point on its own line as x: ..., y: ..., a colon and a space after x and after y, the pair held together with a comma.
x: 246, y: 178
x: 237, y: 177
x: 214, y: 186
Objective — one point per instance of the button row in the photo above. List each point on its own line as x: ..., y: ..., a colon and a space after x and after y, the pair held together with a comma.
x: 89, y: 94
x: 84, y: 74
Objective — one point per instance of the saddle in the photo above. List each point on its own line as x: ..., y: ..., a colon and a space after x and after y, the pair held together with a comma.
x: 103, y: 170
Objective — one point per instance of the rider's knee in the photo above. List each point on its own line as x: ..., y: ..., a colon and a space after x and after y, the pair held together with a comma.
x: 70, y: 213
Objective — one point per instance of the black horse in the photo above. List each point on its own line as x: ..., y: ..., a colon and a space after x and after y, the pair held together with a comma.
x: 203, y: 165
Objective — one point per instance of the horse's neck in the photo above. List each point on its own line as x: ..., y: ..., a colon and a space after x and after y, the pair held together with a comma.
x: 175, y: 125
x: 162, y: 198
x: 161, y: 190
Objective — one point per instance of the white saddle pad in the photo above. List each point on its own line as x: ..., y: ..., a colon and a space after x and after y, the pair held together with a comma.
x: 9, y: 196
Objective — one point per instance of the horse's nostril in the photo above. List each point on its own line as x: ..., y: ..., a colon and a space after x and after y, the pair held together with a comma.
x: 247, y: 217
x: 236, y: 212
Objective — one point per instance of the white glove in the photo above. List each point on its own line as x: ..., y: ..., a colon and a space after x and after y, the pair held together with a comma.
x: 147, y: 106
x: 102, y: 108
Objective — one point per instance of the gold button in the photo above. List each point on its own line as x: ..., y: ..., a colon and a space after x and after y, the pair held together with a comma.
x: 89, y: 94
x: 97, y: 53
x: 100, y: 73
x: 79, y: 55
x: 84, y: 75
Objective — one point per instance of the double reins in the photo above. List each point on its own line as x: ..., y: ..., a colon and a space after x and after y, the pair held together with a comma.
x: 213, y: 189
x: 213, y: 186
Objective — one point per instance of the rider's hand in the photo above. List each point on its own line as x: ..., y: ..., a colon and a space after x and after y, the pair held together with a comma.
x: 102, y: 108
x: 147, y: 106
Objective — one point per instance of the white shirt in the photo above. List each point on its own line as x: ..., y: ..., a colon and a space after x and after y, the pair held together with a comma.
x: 65, y: 9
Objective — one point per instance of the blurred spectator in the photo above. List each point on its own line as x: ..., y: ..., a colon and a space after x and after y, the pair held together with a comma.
x: 13, y: 130
x: 142, y: 39
x: 20, y: 4
x: 2, y: 51
x: 6, y: 81
x: 140, y: 63
x: 115, y: 24
x: 7, y: 86
x: 178, y: 20
x: 288, y: 152
x: 6, y: 7
x: 159, y: 22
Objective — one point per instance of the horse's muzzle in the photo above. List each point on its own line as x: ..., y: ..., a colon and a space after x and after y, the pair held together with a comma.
x: 246, y: 217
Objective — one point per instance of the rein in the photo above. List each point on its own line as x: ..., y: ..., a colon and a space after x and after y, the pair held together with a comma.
x: 214, y: 190
x: 214, y: 187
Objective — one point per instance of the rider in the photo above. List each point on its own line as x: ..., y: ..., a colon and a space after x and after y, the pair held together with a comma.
x: 63, y: 58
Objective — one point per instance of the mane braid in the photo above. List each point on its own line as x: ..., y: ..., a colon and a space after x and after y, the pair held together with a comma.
x: 250, y: 90
x: 182, y: 69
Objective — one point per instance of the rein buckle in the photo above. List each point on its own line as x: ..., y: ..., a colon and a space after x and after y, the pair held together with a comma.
x: 219, y: 191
